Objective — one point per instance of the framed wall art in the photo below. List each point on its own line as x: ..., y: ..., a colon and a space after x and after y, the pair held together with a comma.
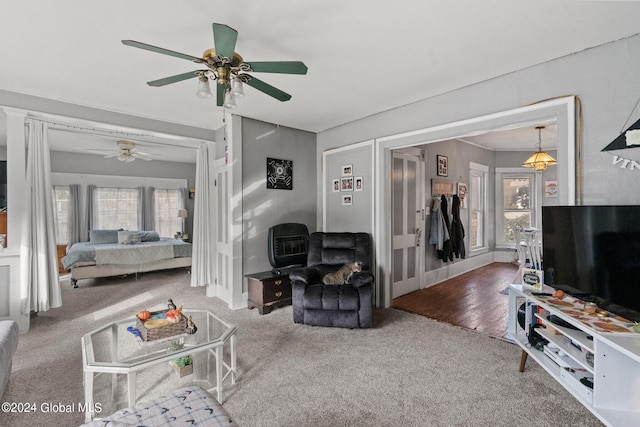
x: 347, y: 200
x: 279, y: 174
x: 336, y: 186
x: 358, y: 184
x: 443, y: 165
x: 346, y: 184
x: 347, y: 170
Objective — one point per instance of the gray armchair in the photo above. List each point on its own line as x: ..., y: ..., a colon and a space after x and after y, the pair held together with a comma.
x: 346, y: 306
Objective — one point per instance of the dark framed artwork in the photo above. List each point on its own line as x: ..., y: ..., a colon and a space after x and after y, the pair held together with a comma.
x: 443, y: 165
x: 279, y: 174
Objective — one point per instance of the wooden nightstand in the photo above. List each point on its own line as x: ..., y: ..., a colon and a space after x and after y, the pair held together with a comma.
x: 268, y: 290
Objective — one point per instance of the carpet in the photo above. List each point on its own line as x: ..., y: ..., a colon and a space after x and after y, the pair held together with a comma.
x: 407, y: 370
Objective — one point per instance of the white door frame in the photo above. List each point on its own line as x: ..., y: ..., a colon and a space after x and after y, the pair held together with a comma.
x: 562, y: 109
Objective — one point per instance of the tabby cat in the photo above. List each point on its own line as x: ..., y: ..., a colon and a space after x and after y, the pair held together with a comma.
x: 344, y: 275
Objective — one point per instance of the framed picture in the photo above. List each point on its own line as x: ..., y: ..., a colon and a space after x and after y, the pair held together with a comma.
x: 346, y: 184
x: 336, y: 185
x: 347, y: 200
x: 443, y: 165
x: 279, y: 174
x: 551, y: 189
x: 462, y: 193
x: 192, y: 192
x: 358, y: 183
x: 347, y: 170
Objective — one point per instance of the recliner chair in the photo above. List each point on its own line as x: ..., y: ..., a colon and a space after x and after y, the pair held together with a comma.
x: 348, y: 305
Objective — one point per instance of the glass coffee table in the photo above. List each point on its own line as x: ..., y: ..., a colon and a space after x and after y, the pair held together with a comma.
x: 112, y: 349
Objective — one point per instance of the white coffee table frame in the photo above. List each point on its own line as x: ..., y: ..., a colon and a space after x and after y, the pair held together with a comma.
x: 215, y: 348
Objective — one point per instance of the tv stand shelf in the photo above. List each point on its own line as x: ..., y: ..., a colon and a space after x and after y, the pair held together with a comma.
x: 611, y: 360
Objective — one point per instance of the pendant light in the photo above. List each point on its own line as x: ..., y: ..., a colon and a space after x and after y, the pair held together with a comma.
x: 539, y: 160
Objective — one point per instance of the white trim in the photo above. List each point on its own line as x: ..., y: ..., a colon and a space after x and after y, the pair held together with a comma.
x: 563, y: 109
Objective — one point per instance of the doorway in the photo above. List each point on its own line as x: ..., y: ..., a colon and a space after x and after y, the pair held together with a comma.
x: 408, y: 219
x: 563, y: 110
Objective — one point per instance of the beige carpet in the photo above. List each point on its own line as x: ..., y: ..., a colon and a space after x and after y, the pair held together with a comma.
x: 406, y: 371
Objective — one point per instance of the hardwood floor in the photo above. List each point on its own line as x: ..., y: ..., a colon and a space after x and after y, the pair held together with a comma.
x: 471, y: 300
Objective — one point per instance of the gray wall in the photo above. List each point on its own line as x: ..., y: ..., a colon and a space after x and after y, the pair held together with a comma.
x: 604, y: 78
x: 262, y: 207
x: 357, y: 217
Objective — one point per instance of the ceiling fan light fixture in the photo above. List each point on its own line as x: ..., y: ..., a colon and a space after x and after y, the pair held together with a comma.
x: 539, y: 160
x: 204, y: 90
x: 236, y: 87
x: 125, y: 157
x: 229, y: 101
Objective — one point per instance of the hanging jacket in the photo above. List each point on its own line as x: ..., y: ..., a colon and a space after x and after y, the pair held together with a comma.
x: 446, y: 254
x: 439, y: 232
x: 457, y: 229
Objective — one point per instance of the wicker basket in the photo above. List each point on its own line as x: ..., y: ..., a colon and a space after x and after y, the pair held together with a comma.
x: 163, y: 332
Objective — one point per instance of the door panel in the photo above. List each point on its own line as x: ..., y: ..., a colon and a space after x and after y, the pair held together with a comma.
x: 408, y: 222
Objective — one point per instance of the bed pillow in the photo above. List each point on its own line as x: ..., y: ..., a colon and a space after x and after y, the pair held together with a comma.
x: 103, y: 236
x: 129, y: 237
x: 149, y: 236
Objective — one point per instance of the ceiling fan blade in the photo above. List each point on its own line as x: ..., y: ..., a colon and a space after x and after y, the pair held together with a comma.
x: 173, y: 79
x: 156, y: 49
x: 108, y: 156
x: 141, y: 156
x: 220, y: 92
x: 267, y: 88
x: 284, y: 67
x: 224, y: 38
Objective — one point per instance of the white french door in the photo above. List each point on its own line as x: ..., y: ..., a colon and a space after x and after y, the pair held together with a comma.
x: 407, y: 221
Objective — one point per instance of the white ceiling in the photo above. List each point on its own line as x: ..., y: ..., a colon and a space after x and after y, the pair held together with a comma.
x: 363, y: 56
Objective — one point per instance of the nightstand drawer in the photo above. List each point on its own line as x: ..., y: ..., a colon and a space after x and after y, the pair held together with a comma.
x: 268, y: 290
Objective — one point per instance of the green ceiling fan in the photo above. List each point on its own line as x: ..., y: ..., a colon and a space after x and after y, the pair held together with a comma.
x: 227, y: 68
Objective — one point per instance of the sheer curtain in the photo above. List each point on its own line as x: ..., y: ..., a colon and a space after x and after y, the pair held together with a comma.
x: 40, y: 289
x: 203, y: 247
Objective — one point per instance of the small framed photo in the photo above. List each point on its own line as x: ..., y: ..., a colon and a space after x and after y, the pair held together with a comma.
x: 336, y: 186
x: 443, y: 165
x: 346, y: 184
x: 462, y: 193
x: 551, y: 189
x: 347, y: 200
x: 358, y: 183
x: 347, y: 170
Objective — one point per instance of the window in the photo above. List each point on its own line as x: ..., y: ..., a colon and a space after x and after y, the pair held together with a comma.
x: 167, y: 205
x: 477, y: 206
x: 116, y: 208
x: 62, y: 205
x: 516, y: 203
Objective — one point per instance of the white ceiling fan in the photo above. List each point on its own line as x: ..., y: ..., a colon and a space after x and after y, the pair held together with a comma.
x: 126, y: 152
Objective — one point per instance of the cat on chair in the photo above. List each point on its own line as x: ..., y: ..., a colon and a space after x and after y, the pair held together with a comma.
x: 344, y: 276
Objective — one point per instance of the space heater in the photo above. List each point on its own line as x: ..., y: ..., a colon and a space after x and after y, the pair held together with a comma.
x: 288, y: 244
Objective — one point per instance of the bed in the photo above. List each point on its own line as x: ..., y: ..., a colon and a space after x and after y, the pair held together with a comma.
x: 120, y: 252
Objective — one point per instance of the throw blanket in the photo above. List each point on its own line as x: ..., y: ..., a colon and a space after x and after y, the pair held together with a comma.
x: 133, y: 254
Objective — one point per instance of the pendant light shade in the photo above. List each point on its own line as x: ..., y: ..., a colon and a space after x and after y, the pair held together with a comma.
x: 236, y: 88
x: 539, y: 160
x: 204, y: 91
x: 229, y: 102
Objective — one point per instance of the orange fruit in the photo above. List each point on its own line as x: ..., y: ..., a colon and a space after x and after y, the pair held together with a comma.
x: 559, y: 294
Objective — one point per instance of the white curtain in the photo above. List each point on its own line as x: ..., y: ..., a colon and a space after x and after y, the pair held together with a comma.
x: 203, y: 252
x: 40, y: 289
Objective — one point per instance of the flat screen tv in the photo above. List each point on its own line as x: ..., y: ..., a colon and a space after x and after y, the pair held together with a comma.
x: 593, y: 253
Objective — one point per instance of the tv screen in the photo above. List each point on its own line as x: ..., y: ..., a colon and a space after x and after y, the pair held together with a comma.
x: 593, y: 253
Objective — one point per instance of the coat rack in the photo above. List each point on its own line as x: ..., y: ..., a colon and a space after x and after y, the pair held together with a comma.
x: 441, y: 187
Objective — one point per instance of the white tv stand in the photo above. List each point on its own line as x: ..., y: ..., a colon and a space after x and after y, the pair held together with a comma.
x: 615, y: 396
